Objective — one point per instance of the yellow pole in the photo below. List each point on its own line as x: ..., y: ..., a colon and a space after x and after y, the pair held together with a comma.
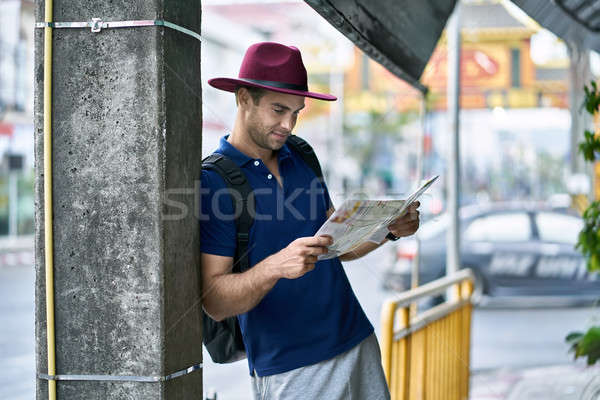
x: 434, y: 364
x: 466, y: 292
x: 444, y: 365
x: 387, y: 337
x: 395, y: 371
x: 404, y: 367
x: 418, y: 355
x: 430, y: 362
x: 48, y: 239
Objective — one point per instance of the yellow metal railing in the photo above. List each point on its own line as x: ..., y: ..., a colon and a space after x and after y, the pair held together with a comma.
x: 426, y: 356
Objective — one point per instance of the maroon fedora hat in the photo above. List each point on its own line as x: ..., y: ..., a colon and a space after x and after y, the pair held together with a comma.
x: 271, y: 66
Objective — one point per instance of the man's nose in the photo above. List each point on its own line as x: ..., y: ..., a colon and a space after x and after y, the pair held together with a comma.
x: 287, y: 123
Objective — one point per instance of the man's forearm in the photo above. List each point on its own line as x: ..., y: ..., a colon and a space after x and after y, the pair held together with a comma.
x: 232, y: 294
x: 226, y: 294
x: 361, y: 251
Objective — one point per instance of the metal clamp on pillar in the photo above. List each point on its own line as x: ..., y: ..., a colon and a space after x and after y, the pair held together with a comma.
x: 97, y: 24
x: 120, y: 378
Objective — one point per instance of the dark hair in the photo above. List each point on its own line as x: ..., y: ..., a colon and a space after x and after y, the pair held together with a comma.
x: 255, y: 92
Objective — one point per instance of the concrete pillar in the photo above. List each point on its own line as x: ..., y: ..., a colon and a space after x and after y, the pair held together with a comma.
x: 126, y: 146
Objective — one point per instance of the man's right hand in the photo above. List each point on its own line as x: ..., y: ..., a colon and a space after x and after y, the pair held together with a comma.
x: 227, y: 294
x: 299, y: 257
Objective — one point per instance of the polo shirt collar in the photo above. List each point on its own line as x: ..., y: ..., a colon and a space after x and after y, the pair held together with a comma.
x: 241, y: 159
x: 284, y: 152
x: 234, y: 154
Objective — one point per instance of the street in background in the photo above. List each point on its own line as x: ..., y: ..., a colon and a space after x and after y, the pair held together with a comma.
x: 522, y: 252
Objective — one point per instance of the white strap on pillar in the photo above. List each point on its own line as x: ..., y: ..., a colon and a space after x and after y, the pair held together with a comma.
x: 120, y: 378
x: 96, y: 25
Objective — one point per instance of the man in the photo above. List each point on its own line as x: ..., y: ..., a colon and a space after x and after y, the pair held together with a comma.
x: 306, y: 335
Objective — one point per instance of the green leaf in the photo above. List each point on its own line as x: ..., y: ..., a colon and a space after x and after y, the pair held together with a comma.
x: 587, y: 344
x: 592, y: 98
x: 593, y: 358
x: 574, y: 336
x: 594, y: 264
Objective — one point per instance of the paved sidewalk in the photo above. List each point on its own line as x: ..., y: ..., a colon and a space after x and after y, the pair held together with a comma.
x: 562, y: 382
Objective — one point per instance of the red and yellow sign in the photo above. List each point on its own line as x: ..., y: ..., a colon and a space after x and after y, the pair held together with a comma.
x: 487, y: 79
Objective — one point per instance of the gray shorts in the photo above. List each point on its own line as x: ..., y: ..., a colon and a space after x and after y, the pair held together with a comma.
x: 356, y: 374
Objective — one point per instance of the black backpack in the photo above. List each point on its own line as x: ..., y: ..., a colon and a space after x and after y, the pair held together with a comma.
x: 223, y: 339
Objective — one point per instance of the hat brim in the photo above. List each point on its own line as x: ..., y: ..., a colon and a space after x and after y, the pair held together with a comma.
x: 230, y: 85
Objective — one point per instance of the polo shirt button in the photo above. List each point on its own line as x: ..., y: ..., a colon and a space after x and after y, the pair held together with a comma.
x: 269, y: 176
x: 256, y: 163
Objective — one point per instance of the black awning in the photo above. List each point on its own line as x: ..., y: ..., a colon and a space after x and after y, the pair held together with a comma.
x: 576, y: 21
x: 399, y: 34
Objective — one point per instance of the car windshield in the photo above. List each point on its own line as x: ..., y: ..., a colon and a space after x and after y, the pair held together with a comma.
x: 558, y: 228
x: 501, y: 227
x: 433, y: 227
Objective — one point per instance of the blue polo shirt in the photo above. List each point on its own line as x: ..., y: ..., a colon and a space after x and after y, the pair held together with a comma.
x: 300, y: 321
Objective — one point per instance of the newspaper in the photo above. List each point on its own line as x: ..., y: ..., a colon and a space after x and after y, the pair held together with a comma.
x: 357, y: 221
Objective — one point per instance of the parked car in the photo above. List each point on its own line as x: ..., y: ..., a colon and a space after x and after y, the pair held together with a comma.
x: 513, y: 250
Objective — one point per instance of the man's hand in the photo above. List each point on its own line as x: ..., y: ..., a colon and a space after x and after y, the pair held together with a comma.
x: 407, y: 224
x: 299, y: 257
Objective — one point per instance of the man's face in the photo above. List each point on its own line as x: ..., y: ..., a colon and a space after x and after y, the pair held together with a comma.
x: 271, y: 121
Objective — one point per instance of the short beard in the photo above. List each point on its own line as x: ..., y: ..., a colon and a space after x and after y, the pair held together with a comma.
x: 260, y: 135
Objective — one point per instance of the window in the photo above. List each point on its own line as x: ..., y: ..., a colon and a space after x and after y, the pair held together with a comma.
x: 558, y: 228
x: 505, y: 227
x: 515, y: 68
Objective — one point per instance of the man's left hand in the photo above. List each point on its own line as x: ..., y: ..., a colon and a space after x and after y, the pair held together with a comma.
x: 408, y: 223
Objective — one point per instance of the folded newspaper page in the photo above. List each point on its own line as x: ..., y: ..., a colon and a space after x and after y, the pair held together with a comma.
x: 357, y: 221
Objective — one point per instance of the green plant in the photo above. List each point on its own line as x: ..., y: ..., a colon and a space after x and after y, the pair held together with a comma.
x: 592, y: 98
x: 589, y: 238
x: 588, y: 242
x: 590, y: 146
x: 586, y: 344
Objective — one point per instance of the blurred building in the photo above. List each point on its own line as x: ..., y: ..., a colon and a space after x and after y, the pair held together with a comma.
x: 222, y: 51
x: 507, y: 60
x: 16, y: 116
x: 514, y: 100
x: 498, y: 69
x: 514, y: 107
x: 326, y: 53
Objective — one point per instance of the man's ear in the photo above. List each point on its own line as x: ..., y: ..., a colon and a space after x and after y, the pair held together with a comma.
x: 243, y: 97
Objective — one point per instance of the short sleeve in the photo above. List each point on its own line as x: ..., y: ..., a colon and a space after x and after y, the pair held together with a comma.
x: 217, y: 223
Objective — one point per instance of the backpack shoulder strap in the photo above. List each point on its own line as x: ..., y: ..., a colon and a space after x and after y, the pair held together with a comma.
x: 242, y: 197
x: 307, y: 153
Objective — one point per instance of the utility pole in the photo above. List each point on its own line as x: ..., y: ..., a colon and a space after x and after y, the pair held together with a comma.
x: 579, y: 76
x: 335, y: 137
x: 414, y: 281
x: 125, y: 154
x: 453, y: 99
